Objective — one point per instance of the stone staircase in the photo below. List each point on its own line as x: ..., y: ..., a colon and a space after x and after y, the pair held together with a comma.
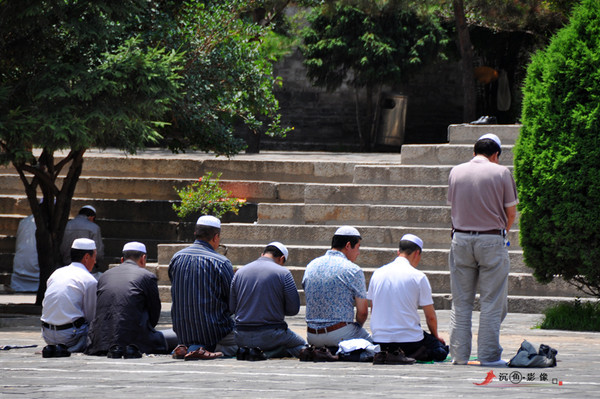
x: 296, y: 198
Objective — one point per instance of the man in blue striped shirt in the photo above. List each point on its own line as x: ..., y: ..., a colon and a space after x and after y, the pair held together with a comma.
x: 200, y: 280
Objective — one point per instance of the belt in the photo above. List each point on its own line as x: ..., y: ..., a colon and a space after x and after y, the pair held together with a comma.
x: 324, y: 330
x: 76, y: 324
x: 496, y: 232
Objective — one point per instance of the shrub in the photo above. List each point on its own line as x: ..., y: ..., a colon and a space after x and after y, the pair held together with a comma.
x: 557, y: 155
x: 575, y: 316
x: 206, y: 197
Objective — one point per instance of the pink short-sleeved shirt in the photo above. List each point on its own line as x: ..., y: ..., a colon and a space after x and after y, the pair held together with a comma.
x: 479, y: 191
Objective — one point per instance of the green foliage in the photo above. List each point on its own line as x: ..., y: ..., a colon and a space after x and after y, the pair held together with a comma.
x: 557, y: 156
x: 576, y: 316
x: 206, y: 197
x: 74, y: 77
x: 228, y: 75
x: 368, y: 43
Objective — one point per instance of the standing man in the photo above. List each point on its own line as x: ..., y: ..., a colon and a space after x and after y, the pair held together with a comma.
x: 262, y: 294
x: 82, y: 226
x: 396, y: 291
x: 200, y: 283
x: 128, y: 309
x: 483, y: 197
x: 70, y: 302
x: 333, y: 284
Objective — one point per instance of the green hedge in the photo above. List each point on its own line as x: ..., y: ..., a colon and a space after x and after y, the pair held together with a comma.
x: 557, y: 155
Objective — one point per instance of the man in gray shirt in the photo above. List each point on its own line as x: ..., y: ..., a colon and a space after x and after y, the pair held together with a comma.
x: 262, y: 294
x: 83, y: 226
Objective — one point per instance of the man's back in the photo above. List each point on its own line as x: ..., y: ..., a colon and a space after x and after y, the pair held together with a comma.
x: 128, y: 309
x: 331, y: 282
x: 200, y: 283
x: 397, y: 291
x: 479, y: 191
x: 81, y: 227
x: 263, y: 293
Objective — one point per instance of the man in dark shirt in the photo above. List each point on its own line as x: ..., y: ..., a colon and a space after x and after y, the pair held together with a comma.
x: 262, y: 294
x: 200, y: 282
x: 128, y: 308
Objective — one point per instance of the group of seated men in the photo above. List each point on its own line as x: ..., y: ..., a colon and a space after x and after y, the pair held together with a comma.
x: 216, y: 312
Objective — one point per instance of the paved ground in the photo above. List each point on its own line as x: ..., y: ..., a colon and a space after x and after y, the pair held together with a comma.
x: 24, y: 373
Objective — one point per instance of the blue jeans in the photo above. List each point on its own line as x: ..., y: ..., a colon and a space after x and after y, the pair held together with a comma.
x: 271, y: 339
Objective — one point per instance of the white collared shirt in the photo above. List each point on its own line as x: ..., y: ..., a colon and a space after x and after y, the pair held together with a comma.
x: 71, y: 294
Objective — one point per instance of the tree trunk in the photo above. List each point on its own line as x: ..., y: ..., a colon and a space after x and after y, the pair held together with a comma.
x: 52, y: 215
x: 466, y: 53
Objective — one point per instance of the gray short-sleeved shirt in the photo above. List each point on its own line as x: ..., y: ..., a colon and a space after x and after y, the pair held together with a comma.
x: 479, y: 191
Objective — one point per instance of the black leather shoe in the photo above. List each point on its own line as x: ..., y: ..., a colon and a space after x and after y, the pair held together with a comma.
x: 115, y: 352
x: 242, y: 353
x: 62, y: 351
x: 49, y: 351
x: 256, y: 354
x: 132, y: 352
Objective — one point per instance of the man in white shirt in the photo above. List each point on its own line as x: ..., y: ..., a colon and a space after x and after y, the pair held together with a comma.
x: 396, y: 291
x: 70, y: 302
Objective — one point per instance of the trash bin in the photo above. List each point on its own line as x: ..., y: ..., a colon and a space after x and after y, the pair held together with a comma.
x: 392, y: 120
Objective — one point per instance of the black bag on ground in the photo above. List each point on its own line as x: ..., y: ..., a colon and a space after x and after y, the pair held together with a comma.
x: 533, y: 355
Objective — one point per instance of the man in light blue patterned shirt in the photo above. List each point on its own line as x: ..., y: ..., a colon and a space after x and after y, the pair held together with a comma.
x: 333, y: 284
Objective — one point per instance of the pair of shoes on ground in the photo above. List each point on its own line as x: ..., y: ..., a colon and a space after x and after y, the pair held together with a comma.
x: 59, y: 350
x: 251, y: 354
x: 395, y: 357
x: 312, y: 354
x: 485, y: 120
x: 129, y: 352
x: 181, y: 352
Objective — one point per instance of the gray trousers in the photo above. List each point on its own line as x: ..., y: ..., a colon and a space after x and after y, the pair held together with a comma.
x: 270, y: 339
x: 477, y: 259
x: 335, y: 337
x: 75, y: 339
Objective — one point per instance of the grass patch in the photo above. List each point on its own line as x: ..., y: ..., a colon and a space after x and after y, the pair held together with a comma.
x: 574, y: 316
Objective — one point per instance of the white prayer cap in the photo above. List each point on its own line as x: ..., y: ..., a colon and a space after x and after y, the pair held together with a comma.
x: 413, y: 238
x: 208, y: 220
x: 281, y: 247
x: 347, y: 231
x: 134, y: 246
x: 91, y: 208
x: 84, y: 243
x: 491, y: 136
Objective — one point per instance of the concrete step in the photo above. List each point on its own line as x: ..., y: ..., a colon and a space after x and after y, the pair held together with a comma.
x: 521, y: 284
x: 125, y: 210
x: 269, y: 165
x: 163, y: 189
x: 468, y: 134
x: 375, y: 194
x: 403, y: 174
x: 301, y: 255
x: 448, y: 154
x: 516, y: 303
x: 354, y: 214
x: 146, y: 191
x: 373, y: 236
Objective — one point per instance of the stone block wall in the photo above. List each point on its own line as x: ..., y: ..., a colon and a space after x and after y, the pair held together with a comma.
x: 327, y: 121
